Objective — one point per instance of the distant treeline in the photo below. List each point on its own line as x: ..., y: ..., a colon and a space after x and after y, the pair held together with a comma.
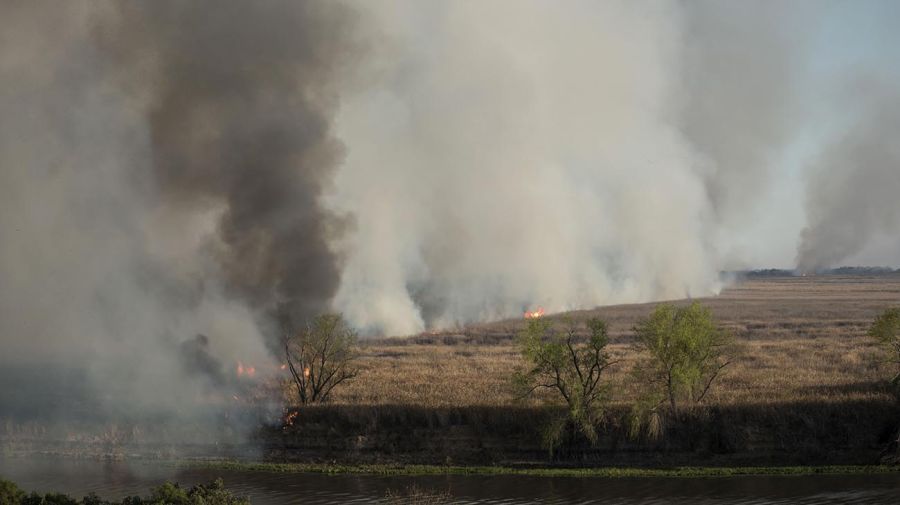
x: 779, y: 272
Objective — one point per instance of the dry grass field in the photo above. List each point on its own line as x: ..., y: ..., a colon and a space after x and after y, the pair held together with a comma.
x: 797, y: 339
x: 804, y: 388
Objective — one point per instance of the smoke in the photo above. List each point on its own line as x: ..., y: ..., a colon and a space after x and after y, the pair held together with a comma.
x: 558, y: 156
x: 852, y: 181
x: 742, y: 61
x: 570, y: 156
x: 501, y: 162
x: 172, y: 169
x: 162, y: 164
x: 238, y: 104
x: 854, y: 191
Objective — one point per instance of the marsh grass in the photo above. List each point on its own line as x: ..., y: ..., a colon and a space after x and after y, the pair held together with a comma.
x: 797, y: 339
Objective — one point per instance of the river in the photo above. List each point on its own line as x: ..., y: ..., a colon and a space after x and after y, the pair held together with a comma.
x: 113, y: 480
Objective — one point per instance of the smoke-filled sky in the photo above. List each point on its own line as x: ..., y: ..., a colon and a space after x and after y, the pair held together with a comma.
x: 231, y: 168
x: 571, y: 154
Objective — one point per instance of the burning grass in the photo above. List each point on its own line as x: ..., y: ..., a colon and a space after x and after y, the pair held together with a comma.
x: 797, y: 339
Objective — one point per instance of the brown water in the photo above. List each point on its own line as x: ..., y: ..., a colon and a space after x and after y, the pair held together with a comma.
x: 115, y: 480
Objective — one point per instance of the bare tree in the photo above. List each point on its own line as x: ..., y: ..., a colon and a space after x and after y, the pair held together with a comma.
x: 321, y: 357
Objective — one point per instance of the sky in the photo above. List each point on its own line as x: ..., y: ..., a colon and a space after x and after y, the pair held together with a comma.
x: 847, y: 39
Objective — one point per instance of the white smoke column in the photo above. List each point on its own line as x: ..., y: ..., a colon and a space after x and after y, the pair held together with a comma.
x: 853, y: 182
x: 853, y: 196
x: 744, y: 104
x: 513, y: 156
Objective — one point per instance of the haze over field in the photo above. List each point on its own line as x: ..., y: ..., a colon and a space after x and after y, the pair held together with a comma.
x: 225, y: 168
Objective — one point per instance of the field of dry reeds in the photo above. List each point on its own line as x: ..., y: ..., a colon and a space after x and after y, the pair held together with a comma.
x: 797, y: 340
x: 804, y: 387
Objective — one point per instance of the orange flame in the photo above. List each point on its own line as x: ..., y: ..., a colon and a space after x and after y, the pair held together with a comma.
x: 247, y: 370
x: 534, y: 314
x: 290, y: 418
x: 306, y: 372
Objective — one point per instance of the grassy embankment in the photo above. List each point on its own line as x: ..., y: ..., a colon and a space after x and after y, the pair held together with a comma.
x: 804, y: 388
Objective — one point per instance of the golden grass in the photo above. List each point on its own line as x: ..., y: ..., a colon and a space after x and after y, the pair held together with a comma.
x: 797, y: 339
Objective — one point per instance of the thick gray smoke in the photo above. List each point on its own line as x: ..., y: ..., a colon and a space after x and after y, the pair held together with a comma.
x: 578, y: 154
x: 239, y: 103
x: 559, y: 155
x: 854, y: 191
x: 853, y: 180
x: 161, y: 165
x: 741, y: 64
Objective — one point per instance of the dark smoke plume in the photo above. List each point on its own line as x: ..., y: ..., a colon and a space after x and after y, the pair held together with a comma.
x: 161, y: 166
x: 239, y: 101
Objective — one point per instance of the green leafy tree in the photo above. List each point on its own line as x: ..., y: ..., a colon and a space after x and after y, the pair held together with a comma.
x: 573, y: 368
x: 886, y: 330
x: 686, y: 349
x: 321, y: 357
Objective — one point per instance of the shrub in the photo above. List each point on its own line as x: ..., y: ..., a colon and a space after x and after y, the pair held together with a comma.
x: 10, y: 493
x: 213, y: 493
x: 886, y: 330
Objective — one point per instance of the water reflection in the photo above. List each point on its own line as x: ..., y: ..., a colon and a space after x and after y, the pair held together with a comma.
x: 114, y: 480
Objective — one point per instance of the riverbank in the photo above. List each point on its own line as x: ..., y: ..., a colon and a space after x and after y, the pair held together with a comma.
x: 325, y: 486
x: 737, y: 436
x: 755, y: 435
